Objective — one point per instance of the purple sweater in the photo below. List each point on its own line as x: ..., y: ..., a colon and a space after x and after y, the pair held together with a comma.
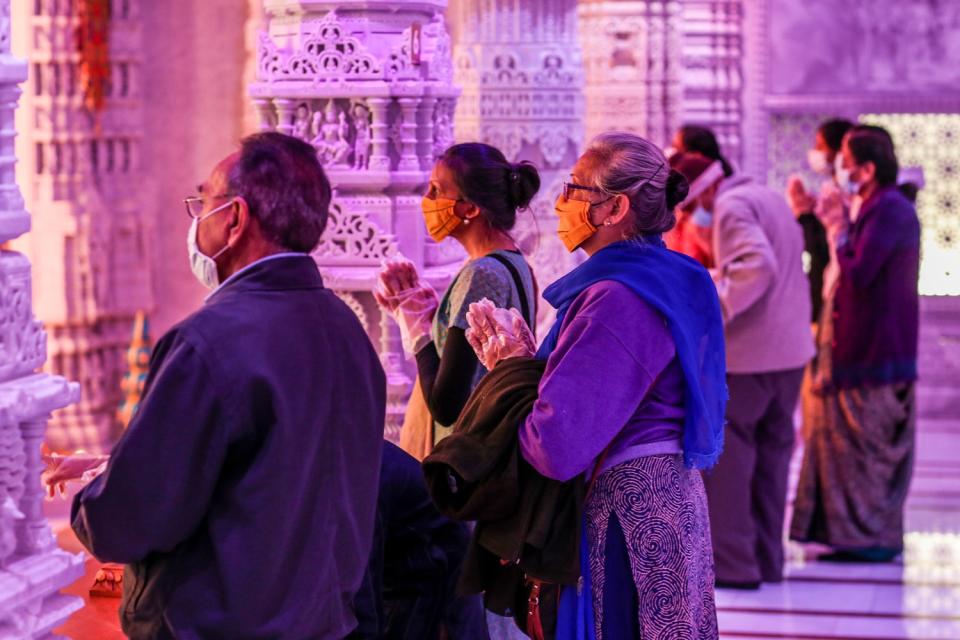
x: 876, y: 308
x: 613, y: 379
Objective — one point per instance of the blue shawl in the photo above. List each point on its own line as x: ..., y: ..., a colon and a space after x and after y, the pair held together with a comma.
x: 682, y: 291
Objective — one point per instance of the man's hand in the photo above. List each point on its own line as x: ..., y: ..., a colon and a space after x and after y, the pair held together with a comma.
x: 832, y: 210
x: 61, y: 469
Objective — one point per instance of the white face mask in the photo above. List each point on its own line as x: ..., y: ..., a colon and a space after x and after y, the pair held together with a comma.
x: 818, y: 162
x: 846, y: 184
x: 204, y: 267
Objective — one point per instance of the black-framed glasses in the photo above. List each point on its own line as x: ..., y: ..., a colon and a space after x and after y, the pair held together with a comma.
x: 195, y: 204
x: 570, y: 187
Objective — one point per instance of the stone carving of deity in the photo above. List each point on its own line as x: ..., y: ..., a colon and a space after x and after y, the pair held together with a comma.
x: 361, y: 144
x: 331, y: 139
x: 301, y: 123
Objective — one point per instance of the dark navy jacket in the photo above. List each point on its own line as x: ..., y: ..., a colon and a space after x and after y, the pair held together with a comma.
x: 415, y: 562
x: 876, y: 310
x: 242, y: 495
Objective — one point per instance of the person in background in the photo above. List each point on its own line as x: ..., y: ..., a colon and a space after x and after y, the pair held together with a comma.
x: 757, y: 249
x: 693, y: 235
x: 241, y: 496
x: 859, y: 413
x: 693, y: 138
x: 632, y: 394
x: 809, y: 208
x: 410, y: 587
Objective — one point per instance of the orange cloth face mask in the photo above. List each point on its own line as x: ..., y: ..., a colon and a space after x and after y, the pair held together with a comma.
x: 439, y: 216
x: 575, y: 227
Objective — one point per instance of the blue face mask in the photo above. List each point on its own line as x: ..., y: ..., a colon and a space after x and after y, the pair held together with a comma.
x: 701, y: 217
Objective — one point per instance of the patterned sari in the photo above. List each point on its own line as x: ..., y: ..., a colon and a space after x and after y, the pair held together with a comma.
x: 858, y: 457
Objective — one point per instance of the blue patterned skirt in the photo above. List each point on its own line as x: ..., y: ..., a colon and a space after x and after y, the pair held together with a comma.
x: 651, y: 561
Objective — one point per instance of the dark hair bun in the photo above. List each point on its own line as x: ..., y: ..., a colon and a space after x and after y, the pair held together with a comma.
x: 523, y: 182
x: 677, y: 189
x: 487, y: 179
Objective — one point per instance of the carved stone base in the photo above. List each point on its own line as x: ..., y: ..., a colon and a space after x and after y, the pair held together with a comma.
x: 109, y: 581
x: 31, y: 604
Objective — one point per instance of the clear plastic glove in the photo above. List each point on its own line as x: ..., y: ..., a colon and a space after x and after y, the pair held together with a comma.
x: 797, y: 197
x: 397, y: 274
x: 79, y: 466
x: 411, y: 303
x: 497, y: 334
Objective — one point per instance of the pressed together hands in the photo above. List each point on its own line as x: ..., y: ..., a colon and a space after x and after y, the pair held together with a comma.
x: 830, y: 208
x: 495, y: 334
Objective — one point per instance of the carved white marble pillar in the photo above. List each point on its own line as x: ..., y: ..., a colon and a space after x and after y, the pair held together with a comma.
x: 520, y: 68
x: 266, y: 114
x: 32, y: 568
x: 632, y: 59
x: 347, y: 77
x: 713, y: 49
x: 92, y: 242
x: 253, y: 116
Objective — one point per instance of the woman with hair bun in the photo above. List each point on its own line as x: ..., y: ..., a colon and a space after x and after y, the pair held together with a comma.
x: 473, y: 197
x: 632, y: 396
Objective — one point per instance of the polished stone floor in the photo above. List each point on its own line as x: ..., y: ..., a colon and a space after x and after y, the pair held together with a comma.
x: 918, y: 597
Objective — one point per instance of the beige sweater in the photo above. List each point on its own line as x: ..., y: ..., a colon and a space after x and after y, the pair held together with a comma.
x: 764, y: 293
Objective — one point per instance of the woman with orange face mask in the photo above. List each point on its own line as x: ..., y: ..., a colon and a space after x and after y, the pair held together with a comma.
x: 473, y: 197
x: 632, y: 396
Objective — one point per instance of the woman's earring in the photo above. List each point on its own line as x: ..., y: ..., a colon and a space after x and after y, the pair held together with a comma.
x: 466, y: 221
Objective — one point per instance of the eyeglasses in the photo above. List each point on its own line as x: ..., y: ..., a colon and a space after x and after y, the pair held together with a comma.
x: 570, y: 187
x: 195, y: 204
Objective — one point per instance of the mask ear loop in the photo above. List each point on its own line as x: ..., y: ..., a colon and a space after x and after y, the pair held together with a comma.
x: 210, y: 213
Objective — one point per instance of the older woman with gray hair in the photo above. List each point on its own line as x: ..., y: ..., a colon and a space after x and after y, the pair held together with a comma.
x: 632, y: 397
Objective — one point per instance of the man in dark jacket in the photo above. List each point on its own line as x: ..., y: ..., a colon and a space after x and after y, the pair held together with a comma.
x: 242, y: 495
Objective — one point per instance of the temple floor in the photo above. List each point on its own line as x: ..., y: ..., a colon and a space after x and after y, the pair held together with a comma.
x: 917, y: 597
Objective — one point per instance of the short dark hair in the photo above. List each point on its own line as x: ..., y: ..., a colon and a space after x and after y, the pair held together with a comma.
x: 870, y: 143
x: 833, y: 131
x: 702, y: 140
x: 485, y: 177
x: 285, y: 188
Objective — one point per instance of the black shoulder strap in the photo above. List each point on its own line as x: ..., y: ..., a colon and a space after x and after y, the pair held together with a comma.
x: 521, y: 290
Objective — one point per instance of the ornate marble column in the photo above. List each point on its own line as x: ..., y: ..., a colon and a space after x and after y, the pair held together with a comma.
x: 713, y: 50
x: 32, y: 568
x: 370, y: 86
x: 91, y: 245
x: 632, y: 62
x: 520, y: 69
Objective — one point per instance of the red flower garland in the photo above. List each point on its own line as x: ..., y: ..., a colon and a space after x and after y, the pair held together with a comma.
x: 93, y: 40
